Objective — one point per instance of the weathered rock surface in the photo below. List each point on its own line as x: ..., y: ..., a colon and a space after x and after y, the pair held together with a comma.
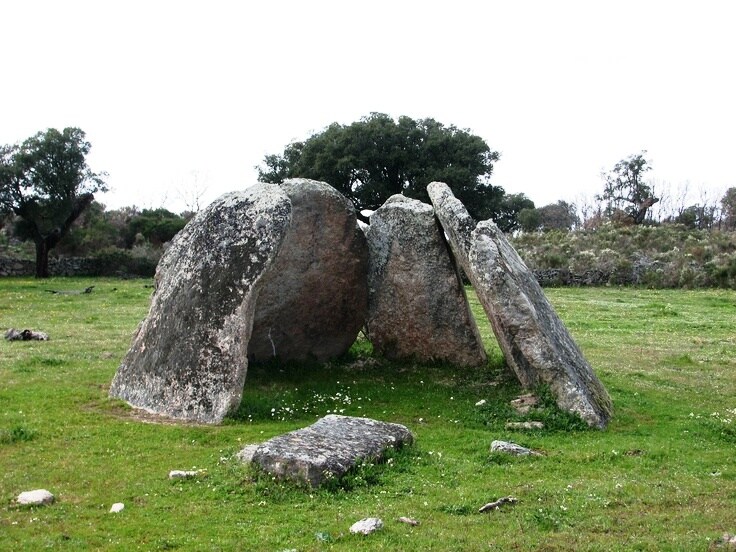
x: 512, y: 448
x: 417, y: 304
x: 328, y: 448
x: 366, y: 526
x: 534, y: 340
x: 188, y: 359
x: 37, y: 497
x: 314, y: 299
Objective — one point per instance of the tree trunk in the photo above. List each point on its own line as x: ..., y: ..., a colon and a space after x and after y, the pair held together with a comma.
x: 42, y: 258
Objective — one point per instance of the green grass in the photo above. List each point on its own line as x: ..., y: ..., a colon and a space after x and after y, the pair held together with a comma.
x: 661, y: 477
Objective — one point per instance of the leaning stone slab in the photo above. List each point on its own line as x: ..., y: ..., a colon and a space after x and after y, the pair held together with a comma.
x: 188, y: 359
x: 328, y: 448
x: 417, y: 304
x: 314, y: 299
x: 39, y: 497
x: 534, y: 340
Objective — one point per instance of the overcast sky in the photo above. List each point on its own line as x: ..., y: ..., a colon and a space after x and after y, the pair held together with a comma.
x: 178, y: 96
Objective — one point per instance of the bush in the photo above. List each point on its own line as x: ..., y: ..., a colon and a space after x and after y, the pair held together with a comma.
x: 666, y: 256
x: 121, y: 262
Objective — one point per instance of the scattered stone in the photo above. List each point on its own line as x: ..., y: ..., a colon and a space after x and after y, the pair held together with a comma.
x: 25, y: 335
x: 366, y: 526
x: 524, y: 403
x: 534, y: 340
x: 417, y: 303
x: 183, y: 474
x: 73, y: 292
x: 39, y: 497
x: 328, y: 448
x: 495, y: 505
x: 524, y: 425
x: 117, y: 507
x: 512, y: 448
x: 246, y: 454
x: 409, y: 521
x: 314, y: 299
x: 727, y: 542
x: 188, y: 359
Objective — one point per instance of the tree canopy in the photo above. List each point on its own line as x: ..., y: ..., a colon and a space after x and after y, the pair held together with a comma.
x: 625, y: 192
x: 376, y: 157
x: 46, y: 181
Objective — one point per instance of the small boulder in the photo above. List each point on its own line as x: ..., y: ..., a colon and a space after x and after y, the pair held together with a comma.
x: 25, y: 335
x: 183, y: 474
x: 38, y: 497
x: 366, y: 526
x: 417, y: 303
x: 117, y: 508
x: 513, y: 449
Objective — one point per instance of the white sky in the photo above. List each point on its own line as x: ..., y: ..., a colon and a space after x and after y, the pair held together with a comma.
x: 178, y: 95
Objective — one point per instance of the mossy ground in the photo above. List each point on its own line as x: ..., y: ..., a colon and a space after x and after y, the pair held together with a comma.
x: 661, y: 477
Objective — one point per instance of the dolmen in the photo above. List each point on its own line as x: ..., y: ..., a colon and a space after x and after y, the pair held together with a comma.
x: 284, y: 271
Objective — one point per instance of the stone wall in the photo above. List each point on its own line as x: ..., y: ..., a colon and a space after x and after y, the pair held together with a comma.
x: 62, y: 266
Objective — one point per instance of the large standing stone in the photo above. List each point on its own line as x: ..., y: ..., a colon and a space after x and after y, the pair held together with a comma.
x: 417, y: 304
x: 328, y: 448
x: 534, y: 340
x: 188, y: 357
x: 315, y: 297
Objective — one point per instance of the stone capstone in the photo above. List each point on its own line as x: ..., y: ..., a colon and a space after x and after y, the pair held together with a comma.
x: 417, y: 304
x: 534, y: 340
x: 188, y: 359
x: 314, y: 299
x: 328, y: 449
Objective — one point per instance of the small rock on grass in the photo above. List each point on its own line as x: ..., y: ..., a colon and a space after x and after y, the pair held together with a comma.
x: 409, y: 521
x: 183, y: 474
x: 512, y: 448
x: 524, y: 403
x: 25, y: 335
x: 38, y: 497
x: 366, y: 526
x: 117, y: 507
x: 525, y: 425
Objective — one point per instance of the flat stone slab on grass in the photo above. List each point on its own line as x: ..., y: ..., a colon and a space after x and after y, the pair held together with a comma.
x: 535, y: 342
x: 329, y: 448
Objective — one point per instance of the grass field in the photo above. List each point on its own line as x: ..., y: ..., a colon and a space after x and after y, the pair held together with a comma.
x: 661, y: 477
